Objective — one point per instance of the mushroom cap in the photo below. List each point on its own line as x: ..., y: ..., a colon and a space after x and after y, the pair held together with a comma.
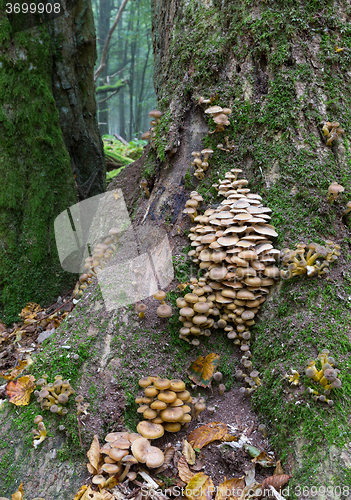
x: 146, y: 135
x: 155, y: 113
x: 164, y: 311
x: 110, y: 468
x: 146, y: 454
x: 183, y: 395
x: 122, y: 443
x: 177, y: 386
x: 335, y: 188
x: 133, y: 436
x: 141, y: 308
x: 113, y: 436
x: 38, y: 419
x: 173, y: 426
x: 149, y: 430
x: 158, y: 405
x: 151, y: 391
x: 98, y: 479
x: 213, y: 110
x: 162, y: 384
x: 167, y: 396
x: 254, y: 374
x: 62, y: 398
x: 160, y: 295
x: 117, y: 454
x: 172, y: 414
x: 145, y: 382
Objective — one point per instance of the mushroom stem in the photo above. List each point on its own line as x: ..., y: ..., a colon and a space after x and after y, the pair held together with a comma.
x: 125, y: 472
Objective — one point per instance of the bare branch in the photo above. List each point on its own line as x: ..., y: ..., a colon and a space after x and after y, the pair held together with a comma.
x: 108, y: 39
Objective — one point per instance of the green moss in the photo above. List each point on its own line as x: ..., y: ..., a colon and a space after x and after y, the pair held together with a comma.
x: 37, y: 182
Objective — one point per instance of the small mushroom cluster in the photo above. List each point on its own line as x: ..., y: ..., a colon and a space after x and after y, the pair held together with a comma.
x: 192, y: 205
x: 81, y: 406
x: 102, y: 253
x: 53, y: 396
x: 151, y: 134
x: 327, y: 376
x: 121, y: 451
x: 252, y: 380
x: 220, y: 117
x: 229, y: 145
x: 332, y: 131
x: 40, y: 433
x: 312, y: 260
x: 200, y: 162
x: 232, y: 244
x: 164, y: 406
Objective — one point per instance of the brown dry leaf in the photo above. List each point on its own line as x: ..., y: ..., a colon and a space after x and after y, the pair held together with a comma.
x: 2, y: 327
x: 207, y: 433
x: 231, y: 488
x: 276, y: 481
x: 15, y: 371
x: 228, y: 438
x: 251, y: 492
x: 94, y: 455
x: 264, y: 460
x: 188, y: 452
x: 184, y: 472
x: 202, y: 370
x: 19, y: 493
x: 200, y: 487
x: 89, y: 494
x: 278, y: 471
x: 19, y: 392
x: 168, y: 453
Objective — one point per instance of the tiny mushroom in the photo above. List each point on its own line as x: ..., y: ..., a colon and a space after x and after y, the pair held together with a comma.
x: 334, y: 190
x: 164, y: 311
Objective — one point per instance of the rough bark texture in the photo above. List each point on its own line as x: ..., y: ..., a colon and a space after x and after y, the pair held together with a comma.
x: 47, y: 117
x: 73, y: 89
x: 275, y: 65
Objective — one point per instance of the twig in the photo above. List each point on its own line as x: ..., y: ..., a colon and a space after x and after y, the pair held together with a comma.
x: 133, y: 493
x: 108, y: 39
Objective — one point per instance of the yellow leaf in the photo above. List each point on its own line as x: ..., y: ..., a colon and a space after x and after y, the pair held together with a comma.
x: 15, y: 371
x: 79, y: 493
x: 184, y: 472
x: 19, y: 392
x: 188, y: 452
x: 338, y: 49
x: 202, y: 370
x: 200, y: 487
x: 94, y: 454
x: 19, y: 493
x: 228, y: 438
x: 207, y: 433
x: 231, y: 488
x: 89, y: 494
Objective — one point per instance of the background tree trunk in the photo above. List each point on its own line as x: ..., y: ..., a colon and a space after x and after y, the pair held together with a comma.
x: 47, y: 115
x: 275, y: 65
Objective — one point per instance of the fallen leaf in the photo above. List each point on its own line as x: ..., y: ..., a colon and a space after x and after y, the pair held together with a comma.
x: 19, y: 392
x: 184, y: 472
x: 188, y: 452
x: 338, y: 49
x: 276, y: 481
x: 231, y: 488
x: 200, y: 487
x: 278, y: 469
x: 94, y: 456
x: 169, y: 454
x: 264, y: 460
x: 252, y: 450
x: 19, y: 493
x: 80, y: 492
x: 89, y: 494
x: 2, y: 327
x: 250, y: 475
x: 228, y: 438
x: 30, y: 311
x: 205, y: 434
x: 15, y: 371
x: 251, y: 492
x: 202, y: 370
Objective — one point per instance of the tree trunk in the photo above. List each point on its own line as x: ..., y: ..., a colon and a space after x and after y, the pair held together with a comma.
x: 278, y: 66
x: 103, y: 29
x: 47, y: 115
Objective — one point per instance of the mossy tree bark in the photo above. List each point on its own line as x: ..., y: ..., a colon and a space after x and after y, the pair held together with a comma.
x: 48, y: 125
x: 275, y: 64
